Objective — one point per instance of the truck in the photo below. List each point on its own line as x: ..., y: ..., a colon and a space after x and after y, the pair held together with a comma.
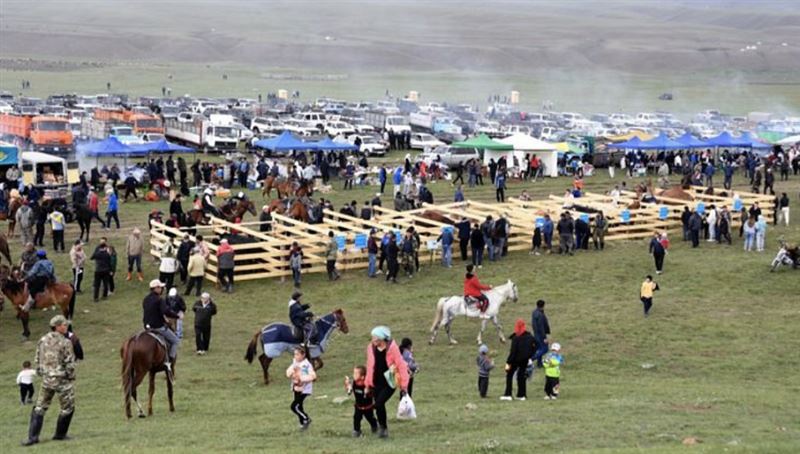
x: 95, y: 129
x: 387, y: 122
x: 38, y: 132
x: 432, y: 121
x: 137, y: 118
x: 48, y: 171
x: 202, y: 133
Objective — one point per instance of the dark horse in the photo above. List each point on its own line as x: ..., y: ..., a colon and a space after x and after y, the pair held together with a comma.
x: 143, y: 354
x: 54, y: 294
x: 84, y: 217
x: 4, y: 250
x: 228, y: 213
x: 277, y: 338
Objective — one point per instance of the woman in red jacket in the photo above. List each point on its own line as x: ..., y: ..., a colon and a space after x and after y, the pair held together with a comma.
x: 384, y: 359
x: 474, y: 288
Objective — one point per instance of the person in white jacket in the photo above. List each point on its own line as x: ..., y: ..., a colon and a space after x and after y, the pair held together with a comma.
x: 711, y: 218
x: 302, y: 375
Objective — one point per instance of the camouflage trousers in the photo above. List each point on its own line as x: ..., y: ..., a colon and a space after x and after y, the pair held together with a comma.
x: 66, y: 397
x: 407, y: 261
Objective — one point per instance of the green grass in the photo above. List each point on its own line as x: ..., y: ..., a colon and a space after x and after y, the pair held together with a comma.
x: 722, y: 337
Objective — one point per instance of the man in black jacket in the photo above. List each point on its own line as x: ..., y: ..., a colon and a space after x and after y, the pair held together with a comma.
x: 566, y: 230
x: 184, y: 251
x: 541, y: 330
x: 477, y: 243
x: 522, y: 349
x: 695, y: 224
x: 391, y: 258
x: 102, y: 270
x: 154, y: 309
x: 203, y: 309
x: 463, y: 236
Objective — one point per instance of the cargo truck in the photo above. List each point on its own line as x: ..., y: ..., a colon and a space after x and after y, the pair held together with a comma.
x: 140, y: 121
x: 385, y: 122
x: 38, y: 132
x: 203, y: 134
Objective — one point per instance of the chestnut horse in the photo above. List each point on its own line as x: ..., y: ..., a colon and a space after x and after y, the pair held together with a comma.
x: 436, y: 216
x: 296, y: 209
x: 13, y: 206
x: 4, y: 248
x: 284, y: 188
x: 142, y: 354
x: 229, y: 214
x: 55, y: 294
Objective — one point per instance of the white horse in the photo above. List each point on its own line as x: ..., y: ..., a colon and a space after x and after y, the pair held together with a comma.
x: 449, y: 308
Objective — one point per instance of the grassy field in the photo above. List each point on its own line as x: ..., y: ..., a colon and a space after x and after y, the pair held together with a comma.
x: 722, y: 340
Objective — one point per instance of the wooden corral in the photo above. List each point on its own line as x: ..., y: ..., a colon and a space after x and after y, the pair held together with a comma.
x: 261, y: 255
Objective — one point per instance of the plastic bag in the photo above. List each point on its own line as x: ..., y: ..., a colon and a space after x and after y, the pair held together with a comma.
x: 406, y: 409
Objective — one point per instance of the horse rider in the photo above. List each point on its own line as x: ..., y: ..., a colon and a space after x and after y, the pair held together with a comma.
x: 208, y: 203
x: 40, y: 274
x: 301, y: 318
x: 235, y: 200
x: 55, y: 363
x: 473, y: 289
x: 154, y: 310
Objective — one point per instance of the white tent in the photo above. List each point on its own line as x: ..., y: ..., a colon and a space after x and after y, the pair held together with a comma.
x: 791, y: 140
x: 524, y: 144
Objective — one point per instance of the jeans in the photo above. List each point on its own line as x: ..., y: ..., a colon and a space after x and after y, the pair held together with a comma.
x: 489, y: 247
x: 135, y: 260
x: 749, y: 241
x: 172, y: 340
x: 447, y: 255
x: 225, y: 276
x: 112, y: 215
x: 760, y: 241
x: 548, y: 241
x: 477, y: 256
x: 372, y: 267
x: 296, y: 276
x: 179, y: 328
x: 541, y: 350
x: 648, y: 303
x: 695, y: 234
x: 499, y: 244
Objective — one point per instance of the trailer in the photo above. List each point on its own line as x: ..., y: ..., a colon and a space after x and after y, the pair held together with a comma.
x: 204, y: 134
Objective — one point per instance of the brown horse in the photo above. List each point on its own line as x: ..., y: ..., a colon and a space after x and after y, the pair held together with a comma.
x: 238, y: 210
x: 4, y: 248
x: 142, y: 354
x: 436, y: 216
x: 55, y: 294
x: 13, y: 206
x: 284, y: 187
x: 296, y: 209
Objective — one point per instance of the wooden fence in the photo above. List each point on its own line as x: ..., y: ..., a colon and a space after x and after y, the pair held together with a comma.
x: 265, y: 254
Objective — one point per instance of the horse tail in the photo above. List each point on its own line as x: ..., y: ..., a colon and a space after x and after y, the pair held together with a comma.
x: 252, y: 348
x: 439, y: 313
x: 71, y: 307
x: 128, y: 373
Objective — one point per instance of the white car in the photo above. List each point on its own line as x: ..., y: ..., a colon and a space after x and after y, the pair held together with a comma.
x: 6, y: 107
x: 490, y: 128
x: 263, y: 124
x: 422, y: 141
x: 370, y: 145
x: 300, y: 128
x: 449, y: 156
x: 339, y: 128
x: 242, y: 131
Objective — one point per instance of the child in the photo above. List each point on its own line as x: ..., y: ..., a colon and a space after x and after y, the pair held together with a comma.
x: 25, y: 382
x: 364, y: 405
x: 302, y: 375
x: 537, y: 241
x: 552, y: 371
x: 407, y: 350
x: 485, y: 366
x: 296, y: 263
x: 646, y: 293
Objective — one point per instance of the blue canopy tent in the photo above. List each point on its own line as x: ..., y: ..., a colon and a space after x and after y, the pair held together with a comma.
x: 725, y: 139
x: 633, y: 143
x: 327, y: 144
x: 161, y: 146
x: 286, y: 141
x: 109, y: 147
x: 662, y: 142
x: 690, y: 141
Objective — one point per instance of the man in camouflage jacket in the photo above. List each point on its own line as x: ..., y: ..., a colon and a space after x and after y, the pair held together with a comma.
x: 55, y: 363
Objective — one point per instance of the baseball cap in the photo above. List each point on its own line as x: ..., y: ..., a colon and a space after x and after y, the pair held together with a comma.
x: 156, y: 283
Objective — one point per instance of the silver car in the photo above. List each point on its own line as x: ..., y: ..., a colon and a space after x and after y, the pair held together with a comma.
x: 450, y: 156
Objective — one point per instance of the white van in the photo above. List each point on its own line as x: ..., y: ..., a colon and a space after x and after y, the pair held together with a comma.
x: 46, y: 170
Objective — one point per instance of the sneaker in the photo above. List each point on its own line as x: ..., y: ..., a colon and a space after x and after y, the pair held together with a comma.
x: 521, y: 398
x: 506, y: 398
x: 199, y: 352
x: 546, y: 397
x: 357, y: 434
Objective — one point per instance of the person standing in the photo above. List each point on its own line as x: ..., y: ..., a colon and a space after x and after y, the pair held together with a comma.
x: 372, y: 253
x: 695, y: 224
x: 477, y: 243
x: 112, y: 251
x: 302, y: 375
x: 783, y: 210
x: 463, y: 236
x: 55, y: 363
x: 169, y: 264
x: 25, y: 221
x: 724, y: 226
x: 134, y: 248
x: 177, y: 306
x: 566, y: 230
x: 487, y: 229
x: 102, y: 269
x: 599, y: 231
x: 407, y: 350
x: 646, y: 294
x: 485, y: 366
x: 197, y: 271
x: 225, y: 265
x: 57, y: 224
x: 296, y: 262
x: 500, y: 187
x: 541, y: 331
x: 25, y: 383
x: 447, y: 246
x: 386, y: 371
x: 552, y: 371
x: 686, y: 215
x: 40, y: 217
x: 761, y: 233
x: 523, y: 347
x: 392, y: 264
x: 78, y: 258
x: 364, y: 404
x: 203, y: 310
x: 184, y: 252
x: 547, y: 233
x: 331, y: 252
x: 658, y: 251
x: 112, y: 209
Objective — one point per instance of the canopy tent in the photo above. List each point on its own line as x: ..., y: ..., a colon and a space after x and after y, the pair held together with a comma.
x: 286, y: 141
x: 110, y: 147
x: 791, y: 140
x: 483, y: 142
x: 327, y: 144
x: 524, y: 144
x: 161, y: 146
x: 662, y: 142
x: 690, y: 141
x: 725, y: 139
x: 633, y: 143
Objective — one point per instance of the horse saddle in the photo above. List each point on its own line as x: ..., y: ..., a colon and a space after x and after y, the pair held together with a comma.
x: 158, y: 337
x: 470, y: 300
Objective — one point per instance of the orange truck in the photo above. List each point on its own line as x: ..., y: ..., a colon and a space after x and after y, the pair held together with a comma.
x: 39, y: 132
x: 140, y: 122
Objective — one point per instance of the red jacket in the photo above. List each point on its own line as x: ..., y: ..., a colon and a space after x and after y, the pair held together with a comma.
x: 473, y: 287
x: 94, y: 202
x: 393, y: 357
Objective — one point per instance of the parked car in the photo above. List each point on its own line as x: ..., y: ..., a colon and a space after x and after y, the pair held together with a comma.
x: 337, y: 128
x: 449, y: 156
x: 371, y: 145
x: 422, y: 141
x: 263, y: 124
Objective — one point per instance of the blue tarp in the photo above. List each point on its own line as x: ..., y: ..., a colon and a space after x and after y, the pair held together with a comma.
x: 690, y: 141
x: 329, y: 145
x: 633, y: 143
x: 108, y: 147
x: 662, y: 142
x: 285, y: 142
x: 161, y: 146
x: 726, y: 140
x: 9, y: 154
